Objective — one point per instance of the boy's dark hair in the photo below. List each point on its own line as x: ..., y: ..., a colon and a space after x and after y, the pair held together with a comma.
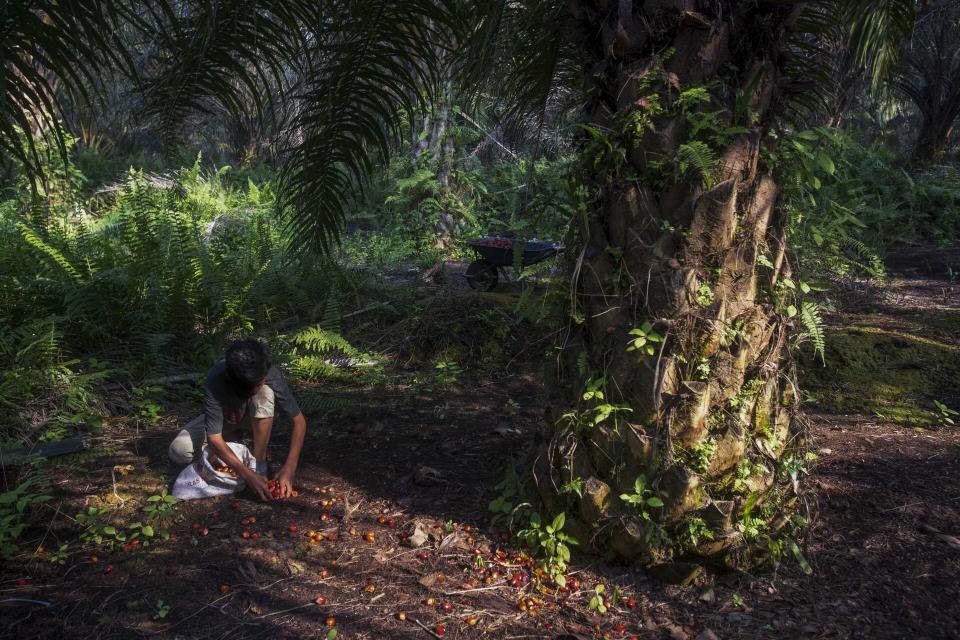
x: 247, y: 363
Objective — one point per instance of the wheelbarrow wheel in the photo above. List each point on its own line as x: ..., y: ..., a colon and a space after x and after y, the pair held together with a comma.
x: 482, y: 275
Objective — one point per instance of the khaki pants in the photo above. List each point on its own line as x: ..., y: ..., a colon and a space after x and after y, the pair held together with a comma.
x: 190, y: 439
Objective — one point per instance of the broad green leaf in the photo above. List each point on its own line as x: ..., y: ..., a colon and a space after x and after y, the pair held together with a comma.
x: 826, y: 163
x: 801, y: 559
x: 559, y: 521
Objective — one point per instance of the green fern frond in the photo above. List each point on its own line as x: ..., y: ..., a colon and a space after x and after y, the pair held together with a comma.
x: 869, y: 261
x: 698, y: 156
x: 322, y: 341
x: 312, y: 401
x: 50, y: 252
x: 813, y: 327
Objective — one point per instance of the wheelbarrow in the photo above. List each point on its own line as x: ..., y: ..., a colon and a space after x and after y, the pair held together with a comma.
x: 498, y: 254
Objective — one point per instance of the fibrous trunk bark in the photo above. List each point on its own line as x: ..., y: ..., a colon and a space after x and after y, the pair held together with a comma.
x: 682, y: 251
x: 935, y: 132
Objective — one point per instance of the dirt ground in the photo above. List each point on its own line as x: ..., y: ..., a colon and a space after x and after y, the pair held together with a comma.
x: 885, y: 499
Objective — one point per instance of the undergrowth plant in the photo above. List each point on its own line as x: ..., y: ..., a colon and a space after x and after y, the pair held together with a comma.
x: 548, y: 542
x: 847, y: 202
x: 15, y: 506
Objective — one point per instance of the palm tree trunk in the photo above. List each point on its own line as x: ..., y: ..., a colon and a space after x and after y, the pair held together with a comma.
x: 935, y: 131
x: 680, y: 232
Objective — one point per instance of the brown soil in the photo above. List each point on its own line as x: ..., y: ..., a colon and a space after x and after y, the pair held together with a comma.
x: 878, y: 492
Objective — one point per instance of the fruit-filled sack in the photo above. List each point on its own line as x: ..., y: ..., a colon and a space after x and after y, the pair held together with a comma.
x: 201, y: 479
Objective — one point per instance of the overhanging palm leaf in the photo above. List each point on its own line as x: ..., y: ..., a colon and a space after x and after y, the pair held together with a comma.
x: 870, y: 32
x: 376, y: 62
x: 48, y: 47
x: 237, y: 53
x: 523, y: 56
x: 877, y: 32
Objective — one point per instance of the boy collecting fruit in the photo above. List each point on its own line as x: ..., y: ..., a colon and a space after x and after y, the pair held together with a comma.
x: 242, y: 391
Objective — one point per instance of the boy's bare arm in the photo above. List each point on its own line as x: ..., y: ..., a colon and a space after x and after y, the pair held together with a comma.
x: 289, y: 468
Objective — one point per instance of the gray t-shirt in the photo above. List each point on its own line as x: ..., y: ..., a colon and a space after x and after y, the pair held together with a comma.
x: 221, y: 403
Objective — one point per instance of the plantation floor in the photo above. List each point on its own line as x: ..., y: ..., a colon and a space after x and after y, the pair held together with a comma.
x: 879, y: 493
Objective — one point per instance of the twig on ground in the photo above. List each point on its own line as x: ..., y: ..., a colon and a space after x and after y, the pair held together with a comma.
x: 276, y: 613
x: 427, y: 629
x: 494, y: 587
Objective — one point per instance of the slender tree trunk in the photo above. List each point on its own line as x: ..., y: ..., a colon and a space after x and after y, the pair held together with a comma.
x: 931, y: 78
x: 680, y: 232
x: 935, y: 132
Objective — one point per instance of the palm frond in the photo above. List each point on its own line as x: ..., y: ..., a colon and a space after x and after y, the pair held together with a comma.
x: 48, y: 47
x: 830, y: 35
x: 523, y: 55
x: 877, y: 31
x: 227, y: 53
x: 376, y: 62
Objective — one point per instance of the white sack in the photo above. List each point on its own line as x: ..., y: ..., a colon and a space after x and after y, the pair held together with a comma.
x: 200, y: 480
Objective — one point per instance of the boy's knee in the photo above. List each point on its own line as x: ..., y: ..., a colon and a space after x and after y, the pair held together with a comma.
x: 181, y: 451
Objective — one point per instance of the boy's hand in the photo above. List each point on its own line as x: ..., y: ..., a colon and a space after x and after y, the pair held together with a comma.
x: 259, y: 486
x: 285, y: 481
